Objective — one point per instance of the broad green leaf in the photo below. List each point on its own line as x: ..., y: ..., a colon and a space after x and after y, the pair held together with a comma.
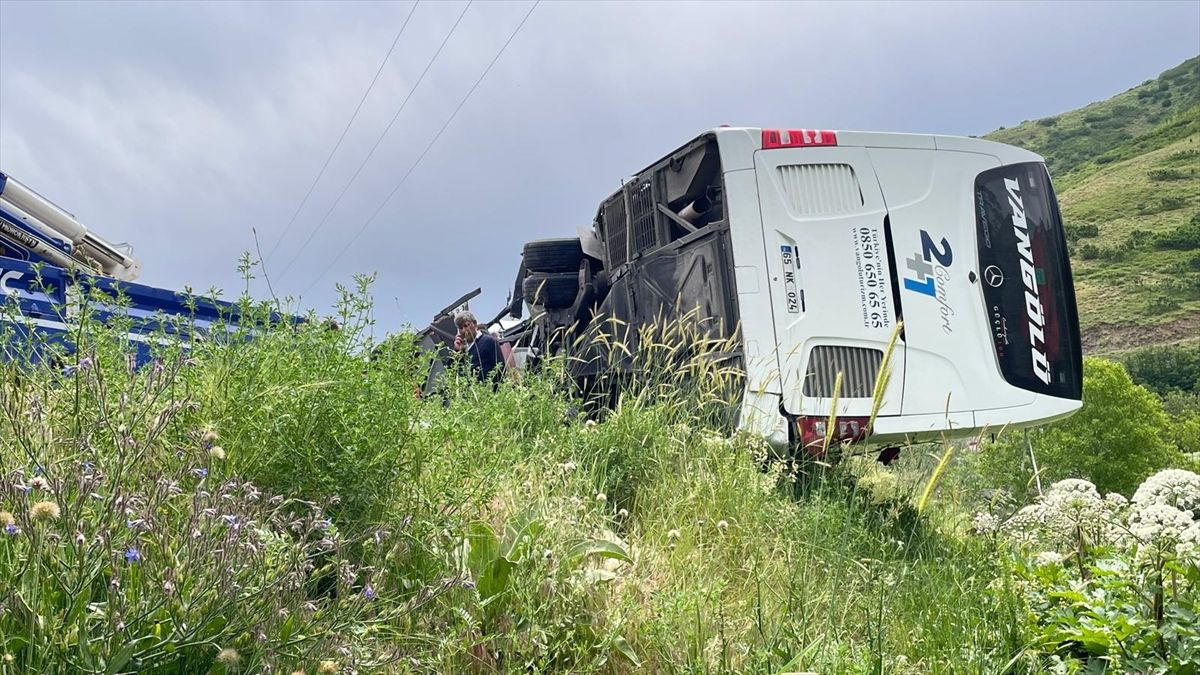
x: 482, y: 548
x: 494, y: 578
x: 622, y: 646
x: 118, y: 662
x: 520, y: 537
x: 598, y: 547
x: 285, y: 631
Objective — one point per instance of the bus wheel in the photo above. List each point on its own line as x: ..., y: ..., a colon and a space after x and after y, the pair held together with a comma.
x: 888, y: 455
x: 553, y: 255
x: 552, y: 291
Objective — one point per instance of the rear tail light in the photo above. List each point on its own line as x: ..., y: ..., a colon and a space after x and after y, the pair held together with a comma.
x: 797, y: 138
x: 813, y: 431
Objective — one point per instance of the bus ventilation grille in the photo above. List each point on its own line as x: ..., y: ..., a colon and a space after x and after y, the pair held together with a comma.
x: 615, y: 232
x: 820, y: 189
x: 641, y: 214
x: 859, y: 368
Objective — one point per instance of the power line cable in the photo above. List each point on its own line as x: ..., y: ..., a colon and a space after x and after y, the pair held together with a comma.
x: 288, y: 227
x: 379, y: 140
x: 461, y: 103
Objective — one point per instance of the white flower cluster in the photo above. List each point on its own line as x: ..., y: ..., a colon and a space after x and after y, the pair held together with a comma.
x: 1159, y: 523
x: 985, y: 523
x: 1173, y: 487
x: 1074, y: 499
x: 1188, y: 548
x: 1164, y: 513
x: 1048, y: 559
x: 1161, y: 517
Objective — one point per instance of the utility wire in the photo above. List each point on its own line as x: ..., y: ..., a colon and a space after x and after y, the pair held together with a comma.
x: 288, y: 227
x: 461, y: 103
x: 377, y: 142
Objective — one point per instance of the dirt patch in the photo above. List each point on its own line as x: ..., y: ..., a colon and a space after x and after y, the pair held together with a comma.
x: 1107, y: 338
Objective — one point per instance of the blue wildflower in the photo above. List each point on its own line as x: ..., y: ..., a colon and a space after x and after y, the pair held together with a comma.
x: 87, y: 466
x: 133, y: 555
x: 369, y: 593
x: 11, y: 530
x: 230, y: 520
x: 201, y: 472
x: 38, y: 470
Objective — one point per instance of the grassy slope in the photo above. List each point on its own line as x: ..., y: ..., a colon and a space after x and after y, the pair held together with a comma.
x: 1108, y: 159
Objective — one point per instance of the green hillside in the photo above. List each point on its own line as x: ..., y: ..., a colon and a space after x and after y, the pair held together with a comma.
x: 1127, y: 171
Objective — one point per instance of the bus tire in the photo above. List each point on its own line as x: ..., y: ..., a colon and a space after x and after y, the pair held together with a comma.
x: 553, y: 256
x: 552, y: 291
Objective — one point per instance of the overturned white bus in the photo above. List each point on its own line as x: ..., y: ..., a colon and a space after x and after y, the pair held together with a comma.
x: 810, y: 246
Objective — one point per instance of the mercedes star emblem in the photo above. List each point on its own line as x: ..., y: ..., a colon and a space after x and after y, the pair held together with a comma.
x: 993, y: 276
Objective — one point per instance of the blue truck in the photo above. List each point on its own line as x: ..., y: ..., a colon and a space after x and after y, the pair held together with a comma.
x: 53, y: 269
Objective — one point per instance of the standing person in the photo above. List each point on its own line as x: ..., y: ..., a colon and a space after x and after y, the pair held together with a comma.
x: 487, y: 359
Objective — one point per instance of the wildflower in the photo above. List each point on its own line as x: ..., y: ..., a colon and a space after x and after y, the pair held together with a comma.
x: 722, y: 525
x: 1172, y: 487
x: 8, y: 659
x: 228, y: 657
x: 12, y: 530
x: 44, y: 511
x: 624, y: 513
x: 673, y: 534
x: 87, y: 466
x: 6, y: 518
x: 230, y: 520
x: 468, y: 584
x: 216, y: 452
x: 201, y: 473
x: 985, y: 523
x: 323, y: 524
x: 22, y: 487
x: 1188, y: 548
x: 135, y: 523
x: 601, y: 497
x: 1159, y: 523
x: 133, y: 555
x: 327, y: 667
x: 38, y: 470
x: 1048, y: 559
x: 85, y: 363
x: 1075, y: 500
x: 39, y: 483
x: 369, y: 593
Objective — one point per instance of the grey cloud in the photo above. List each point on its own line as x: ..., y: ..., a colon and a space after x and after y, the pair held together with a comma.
x: 179, y: 127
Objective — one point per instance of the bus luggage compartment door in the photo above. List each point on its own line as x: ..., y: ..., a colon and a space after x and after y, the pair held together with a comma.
x: 823, y: 230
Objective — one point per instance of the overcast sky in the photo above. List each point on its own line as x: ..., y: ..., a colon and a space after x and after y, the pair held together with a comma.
x: 178, y: 126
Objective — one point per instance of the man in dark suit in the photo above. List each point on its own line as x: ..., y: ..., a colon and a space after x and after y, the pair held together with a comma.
x: 487, y: 358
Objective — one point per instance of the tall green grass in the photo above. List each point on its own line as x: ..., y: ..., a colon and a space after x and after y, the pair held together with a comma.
x: 471, y: 531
